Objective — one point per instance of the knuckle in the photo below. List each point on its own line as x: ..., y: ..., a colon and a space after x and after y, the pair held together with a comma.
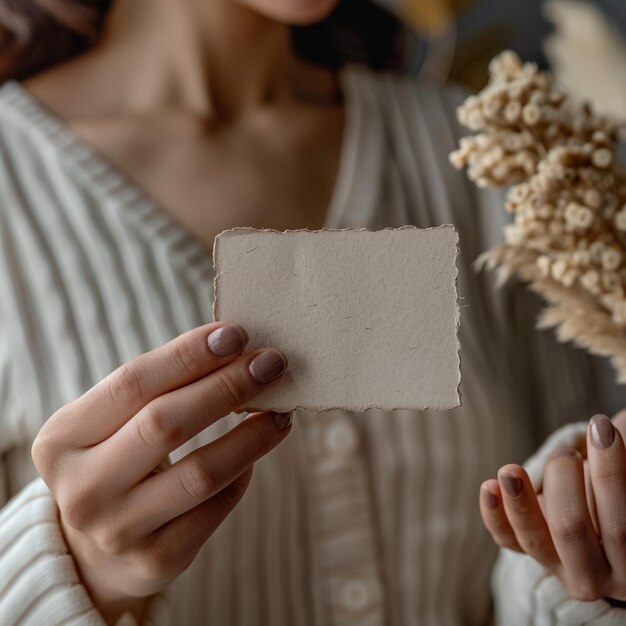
x: 199, y: 480
x: 125, y: 385
x: 77, y: 509
x: 43, y: 451
x: 185, y: 358
x: 230, y: 390
x: 50, y: 449
x: 157, y: 428
x: 570, y: 531
x: 111, y: 540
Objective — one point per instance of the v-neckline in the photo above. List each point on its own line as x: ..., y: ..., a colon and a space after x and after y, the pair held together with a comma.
x: 117, y: 187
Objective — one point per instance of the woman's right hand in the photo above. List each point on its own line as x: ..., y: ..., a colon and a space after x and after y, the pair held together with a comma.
x: 132, y: 527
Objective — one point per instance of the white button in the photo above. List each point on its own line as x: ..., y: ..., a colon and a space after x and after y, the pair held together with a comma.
x: 340, y: 438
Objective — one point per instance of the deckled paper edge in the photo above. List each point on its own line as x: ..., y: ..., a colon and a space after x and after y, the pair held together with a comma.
x: 308, y: 409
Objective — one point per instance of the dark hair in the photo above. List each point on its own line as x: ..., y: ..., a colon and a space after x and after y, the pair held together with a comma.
x: 37, y: 34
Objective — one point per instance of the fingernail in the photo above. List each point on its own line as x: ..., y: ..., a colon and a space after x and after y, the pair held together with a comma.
x: 227, y: 340
x: 267, y: 366
x: 565, y: 452
x: 511, y: 484
x: 602, y: 431
x: 282, y: 420
x: 489, y: 499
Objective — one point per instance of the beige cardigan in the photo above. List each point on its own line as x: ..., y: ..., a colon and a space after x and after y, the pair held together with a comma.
x: 356, y: 519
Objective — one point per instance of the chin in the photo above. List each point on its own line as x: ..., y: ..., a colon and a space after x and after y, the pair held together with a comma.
x: 294, y: 12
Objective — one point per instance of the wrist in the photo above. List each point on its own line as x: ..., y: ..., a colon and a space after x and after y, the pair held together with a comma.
x: 110, y: 603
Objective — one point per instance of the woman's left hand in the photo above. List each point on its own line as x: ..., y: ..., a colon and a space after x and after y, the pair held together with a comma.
x: 576, y: 527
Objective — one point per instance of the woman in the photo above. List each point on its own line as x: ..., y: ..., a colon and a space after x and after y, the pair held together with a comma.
x: 119, y: 166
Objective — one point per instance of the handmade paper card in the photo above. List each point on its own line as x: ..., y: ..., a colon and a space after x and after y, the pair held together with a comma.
x: 366, y: 318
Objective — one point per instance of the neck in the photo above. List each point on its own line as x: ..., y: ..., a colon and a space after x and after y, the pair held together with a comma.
x: 214, y: 58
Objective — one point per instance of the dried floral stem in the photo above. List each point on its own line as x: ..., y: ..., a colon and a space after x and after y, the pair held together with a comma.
x: 568, y: 197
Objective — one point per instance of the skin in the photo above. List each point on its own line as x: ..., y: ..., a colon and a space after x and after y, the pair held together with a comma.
x: 217, y: 119
x: 132, y: 520
x: 204, y: 105
x: 575, y: 526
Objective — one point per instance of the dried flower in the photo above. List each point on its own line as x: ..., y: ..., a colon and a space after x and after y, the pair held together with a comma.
x: 581, y: 258
x: 611, y: 259
x: 592, y: 198
x: 567, y: 196
x: 590, y: 280
x: 578, y: 216
x: 602, y: 158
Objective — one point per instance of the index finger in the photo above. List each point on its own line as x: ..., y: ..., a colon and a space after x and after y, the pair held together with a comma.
x: 108, y: 405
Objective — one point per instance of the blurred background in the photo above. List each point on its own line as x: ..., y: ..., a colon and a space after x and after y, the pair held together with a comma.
x: 455, y: 39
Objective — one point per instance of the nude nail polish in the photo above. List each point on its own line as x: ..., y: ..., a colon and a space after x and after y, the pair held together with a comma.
x: 602, y: 431
x: 511, y: 484
x: 267, y: 366
x: 227, y: 340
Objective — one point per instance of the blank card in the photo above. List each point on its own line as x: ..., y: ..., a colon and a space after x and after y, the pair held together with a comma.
x: 367, y: 319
